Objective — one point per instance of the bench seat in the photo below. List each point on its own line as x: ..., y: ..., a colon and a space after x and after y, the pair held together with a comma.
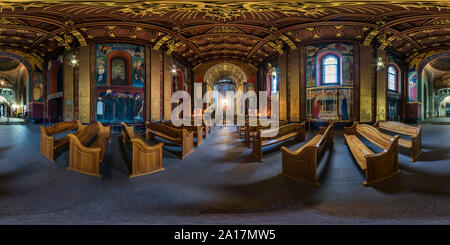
x: 301, y: 165
x: 86, y: 159
x: 179, y: 136
x: 263, y: 138
x: 145, y: 159
x: 359, y: 150
x: 414, y: 144
x: 377, y: 166
x: 49, y: 144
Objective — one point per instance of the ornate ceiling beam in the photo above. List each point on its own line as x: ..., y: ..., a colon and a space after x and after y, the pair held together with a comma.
x: 263, y: 29
x: 413, y: 18
x: 221, y: 34
x: 35, y: 18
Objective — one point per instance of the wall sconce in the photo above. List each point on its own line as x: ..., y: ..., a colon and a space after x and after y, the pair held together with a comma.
x: 174, y: 70
x: 73, y: 60
x: 274, y: 74
x: 380, y: 64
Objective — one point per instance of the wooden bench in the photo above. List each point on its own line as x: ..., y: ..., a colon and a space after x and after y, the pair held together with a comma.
x: 177, y: 135
x: 283, y: 133
x: 146, y: 159
x: 86, y: 159
x: 49, y: 143
x: 248, y: 130
x: 197, y: 130
x: 415, y: 133
x: 377, y: 166
x: 206, y: 129
x: 301, y: 165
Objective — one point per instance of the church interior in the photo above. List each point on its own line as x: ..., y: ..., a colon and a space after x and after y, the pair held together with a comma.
x: 359, y: 91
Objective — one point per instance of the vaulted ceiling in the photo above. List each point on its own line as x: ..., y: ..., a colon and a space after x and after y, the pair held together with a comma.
x: 199, y: 31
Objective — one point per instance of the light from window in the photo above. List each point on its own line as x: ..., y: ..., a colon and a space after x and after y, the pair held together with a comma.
x: 330, y: 69
x: 392, y: 78
x: 274, y: 82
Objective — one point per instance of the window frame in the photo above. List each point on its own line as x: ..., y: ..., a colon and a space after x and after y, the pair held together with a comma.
x: 396, y: 78
x: 323, y: 66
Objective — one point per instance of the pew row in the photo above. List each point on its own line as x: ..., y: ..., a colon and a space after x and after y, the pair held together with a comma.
x: 178, y: 136
x: 146, y: 159
x: 415, y: 133
x: 197, y: 130
x: 301, y: 165
x: 85, y: 158
x: 249, y: 129
x: 377, y: 166
x: 49, y: 144
x: 262, y: 138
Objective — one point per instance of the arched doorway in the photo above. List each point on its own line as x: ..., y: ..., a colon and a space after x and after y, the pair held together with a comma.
x: 225, y: 77
x: 14, y: 88
x: 435, y: 85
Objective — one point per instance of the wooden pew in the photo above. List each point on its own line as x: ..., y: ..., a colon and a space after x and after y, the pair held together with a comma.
x: 415, y: 133
x: 206, y: 129
x: 146, y: 159
x: 377, y: 166
x: 294, y: 130
x: 49, y: 144
x: 86, y: 159
x: 178, y: 136
x: 301, y: 165
x: 248, y: 130
x: 197, y: 130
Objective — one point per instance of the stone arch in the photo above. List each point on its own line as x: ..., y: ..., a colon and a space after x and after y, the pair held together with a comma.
x: 225, y: 70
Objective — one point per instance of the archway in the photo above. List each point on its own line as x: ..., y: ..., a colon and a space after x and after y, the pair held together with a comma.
x: 225, y: 77
x: 435, y: 83
x: 15, y: 92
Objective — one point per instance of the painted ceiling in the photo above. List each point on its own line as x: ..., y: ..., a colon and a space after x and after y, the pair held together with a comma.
x: 200, y: 31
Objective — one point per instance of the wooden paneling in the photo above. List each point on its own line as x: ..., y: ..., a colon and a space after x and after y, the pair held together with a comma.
x: 155, y: 85
x: 68, y: 91
x: 381, y: 88
x: 167, y: 86
x: 147, y: 84
x: 293, y: 66
x: 84, y: 85
x: 283, y: 79
x: 302, y: 84
x: 366, y: 70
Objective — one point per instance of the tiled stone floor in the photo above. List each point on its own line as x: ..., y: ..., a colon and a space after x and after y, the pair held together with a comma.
x: 220, y: 183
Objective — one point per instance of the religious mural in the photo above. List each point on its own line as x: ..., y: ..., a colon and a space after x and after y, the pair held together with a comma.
x: 117, y: 100
x: 118, y: 65
x: 329, y: 104
x: 345, y: 50
x: 181, y: 79
x: 115, y: 107
x: 37, y: 87
x: 412, y: 86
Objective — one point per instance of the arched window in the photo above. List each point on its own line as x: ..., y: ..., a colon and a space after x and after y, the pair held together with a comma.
x: 274, y: 80
x: 330, y: 69
x: 392, y: 78
x: 118, y: 71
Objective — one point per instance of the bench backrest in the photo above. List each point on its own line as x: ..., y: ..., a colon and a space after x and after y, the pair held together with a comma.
x: 399, y: 127
x: 129, y: 131
x: 283, y: 130
x: 102, y: 129
x: 60, y: 128
x: 373, y: 135
x: 169, y: 131
x: 325, y: 134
